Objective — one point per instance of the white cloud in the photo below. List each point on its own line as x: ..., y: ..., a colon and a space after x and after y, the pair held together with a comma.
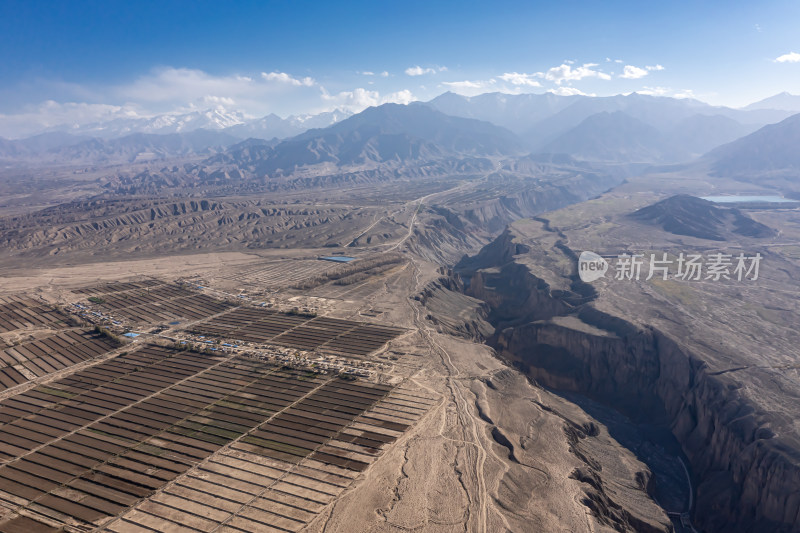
x: 654, y: 91
x: 219, y: 100
x: 182, y: 85
x: 633, y: 73
x: 791, y: 57
x: 419, y: 71
x: 167, y: 88
x: 384, y: 74
x: 684, y: 93
x: 49, y: 114
x: 180, y: 90
x: 471, y: 87
x: 400, y: 97
x: 359, y: 99
x: 668, y: 91
x: 566, y: 73
x: 466, y: 84
x: 516, y: 78
x: 568, y: 91
x: 282, y: 77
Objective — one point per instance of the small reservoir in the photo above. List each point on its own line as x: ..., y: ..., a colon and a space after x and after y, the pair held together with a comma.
x: 731, y: 199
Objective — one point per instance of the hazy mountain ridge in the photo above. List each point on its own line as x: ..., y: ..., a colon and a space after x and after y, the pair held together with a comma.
x: 619, y: 137
x: 181, y: 134
x: 69, y: 149
x: 542, y: 122
x: 215, y: 118
x: 515, y: 112
x: 272, y: 126
x: 218, y: 118
x: 545, y: 121
x: 612, y: 136
x: 390, y: 132
x: 700, y: 133
x: 37, y: 144
x: 784, y: 101
x: 773, y: 148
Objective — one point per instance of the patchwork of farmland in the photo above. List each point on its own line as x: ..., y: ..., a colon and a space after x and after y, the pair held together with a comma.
x: 295, y: 331
x: 357, y: 291
x: 279, y: 274
x: 26, y: 361
x: 111, y: 288
x: 166, y: 440
x: 286, y: 472
x: 19, y: 312
x: 152, y: 302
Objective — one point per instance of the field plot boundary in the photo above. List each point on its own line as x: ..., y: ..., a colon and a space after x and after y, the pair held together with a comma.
x: 85, y: 449
x: 239, y: 489
x: 340, y: 336
x: 277, y: 273
x: 118, y: 286
x: 162, y: 437
x: 21, y: 312
x: 41, y: 357
x: 149, y: 302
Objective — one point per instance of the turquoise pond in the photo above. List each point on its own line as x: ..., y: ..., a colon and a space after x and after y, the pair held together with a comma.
x: 338, y: 258
x: 741, y: 199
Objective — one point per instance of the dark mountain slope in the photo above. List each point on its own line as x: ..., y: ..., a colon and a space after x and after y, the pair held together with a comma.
x: 388, y: 133
x: 773, y: 148
x: 688, y: 215
x: 612, y: 137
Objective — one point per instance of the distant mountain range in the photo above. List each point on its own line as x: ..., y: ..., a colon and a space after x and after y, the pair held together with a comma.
x: 614, y: 137
x: 417, y: 132
x: 545, y: 122
x: 534, y: 116
x: 784, y: 101
x: 388, y: 133
x: 272, y: 126
x: 184, y: 133
x: 63, y: 148
x: 215, y: 118
x: 619, y: 137
x: 632, y: 128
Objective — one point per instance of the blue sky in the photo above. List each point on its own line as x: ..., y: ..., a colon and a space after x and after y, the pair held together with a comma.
x: 84, y: 60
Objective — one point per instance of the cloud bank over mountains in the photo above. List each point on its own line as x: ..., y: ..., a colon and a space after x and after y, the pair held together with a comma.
x: 178, y: 91
x: 171, y: 94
